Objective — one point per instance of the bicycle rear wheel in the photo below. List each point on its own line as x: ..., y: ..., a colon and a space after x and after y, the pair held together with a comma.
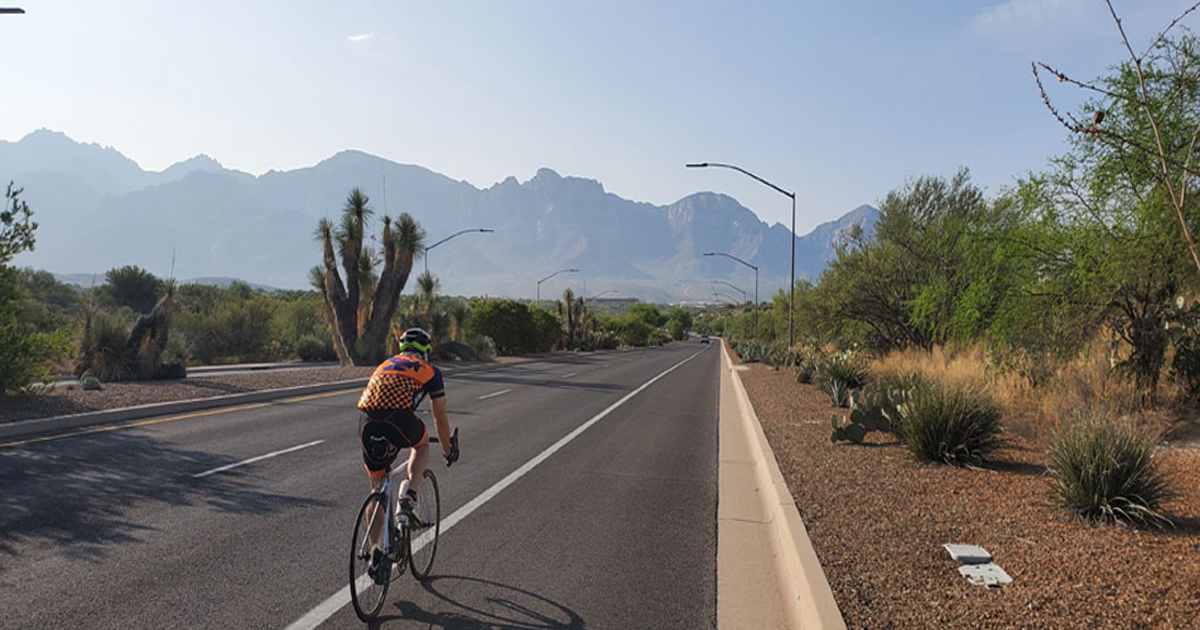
x: 423, y: 540
x: 368, y: 588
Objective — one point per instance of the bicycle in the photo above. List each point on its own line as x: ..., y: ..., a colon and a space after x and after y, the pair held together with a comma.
x: 409, y: 544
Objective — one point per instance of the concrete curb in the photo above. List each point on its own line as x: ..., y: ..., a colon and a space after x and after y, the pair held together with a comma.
x: 24, y: 428
x: 812, y: 603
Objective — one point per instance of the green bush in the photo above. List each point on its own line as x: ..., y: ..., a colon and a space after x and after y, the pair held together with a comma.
x: 951, y: 425
x: 25, y: 349
x: 1104, y: 469
x: 513, y: 327
x: 632, y: 331
x: 483, y: 347
x: 310, y: 348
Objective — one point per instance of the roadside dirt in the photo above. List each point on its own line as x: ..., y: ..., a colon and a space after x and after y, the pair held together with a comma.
x: 878, y: 521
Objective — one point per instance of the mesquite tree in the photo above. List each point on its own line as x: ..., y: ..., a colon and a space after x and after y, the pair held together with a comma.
x: 359, y: 313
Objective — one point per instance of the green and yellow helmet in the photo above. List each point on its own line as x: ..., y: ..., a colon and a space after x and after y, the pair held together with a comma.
x: 416, y: 340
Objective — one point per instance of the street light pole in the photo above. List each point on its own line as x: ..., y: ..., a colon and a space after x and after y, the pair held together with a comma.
x: 755, y: 286
x: 458, y: 233
x: 538, y: 294
x: 732, y: 300
x: 792, y: 287
x: 592, y: 297
x: 731, y: 286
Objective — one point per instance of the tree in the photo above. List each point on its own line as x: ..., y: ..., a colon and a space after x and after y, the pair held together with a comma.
x: 132, y: 286
x: 24, y: 349
x: 427, y: 286
x: 460, y: 314
x: 565, y: 307
x: 359, y: 312
x: 16, y: 225
x: 679, y: 322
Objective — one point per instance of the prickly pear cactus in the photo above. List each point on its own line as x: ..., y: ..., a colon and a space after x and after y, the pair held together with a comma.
x: 872, y: 409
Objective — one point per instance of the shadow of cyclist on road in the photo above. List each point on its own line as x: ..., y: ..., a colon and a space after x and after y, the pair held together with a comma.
x: 477, y: 604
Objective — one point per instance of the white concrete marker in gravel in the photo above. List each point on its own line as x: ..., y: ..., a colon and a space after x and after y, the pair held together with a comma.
x: 340, y: 599
x: 255, y: 459
x: 494, y: 394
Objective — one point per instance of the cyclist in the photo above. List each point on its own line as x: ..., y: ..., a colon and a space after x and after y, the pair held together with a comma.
x: 389, y: 423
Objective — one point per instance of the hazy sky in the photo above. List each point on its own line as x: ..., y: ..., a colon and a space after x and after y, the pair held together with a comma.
x: 839, y: 101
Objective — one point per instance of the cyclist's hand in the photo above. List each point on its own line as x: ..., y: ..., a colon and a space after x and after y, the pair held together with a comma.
x: 452, y: 455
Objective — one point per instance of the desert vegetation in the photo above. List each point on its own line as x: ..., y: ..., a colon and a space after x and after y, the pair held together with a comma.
x: 1063, y: 309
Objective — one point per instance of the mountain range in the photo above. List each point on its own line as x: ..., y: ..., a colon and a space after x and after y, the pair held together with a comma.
x: 98, y: 209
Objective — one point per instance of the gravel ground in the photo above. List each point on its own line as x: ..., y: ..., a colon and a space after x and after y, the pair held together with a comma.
x: 878, y: 521
x: 62, y: 401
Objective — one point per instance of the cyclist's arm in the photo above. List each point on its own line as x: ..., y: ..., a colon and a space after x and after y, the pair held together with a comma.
x: 441, y: 421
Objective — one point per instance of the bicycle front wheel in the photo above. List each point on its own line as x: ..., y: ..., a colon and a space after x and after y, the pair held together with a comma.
x: 369, y: 585
x: 423, y: 539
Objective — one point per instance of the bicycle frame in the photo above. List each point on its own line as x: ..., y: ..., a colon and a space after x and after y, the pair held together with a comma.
x: 387, y: 518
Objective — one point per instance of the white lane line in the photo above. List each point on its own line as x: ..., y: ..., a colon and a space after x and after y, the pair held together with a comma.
x: 255, y: 459
x: 338, y: 600
x: 494, y: 394
x: 570, y: 375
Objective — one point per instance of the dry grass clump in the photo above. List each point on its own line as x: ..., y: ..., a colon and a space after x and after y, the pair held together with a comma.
x: 1105, y: 469
x: 950, y: 424
x: 1034, y: 394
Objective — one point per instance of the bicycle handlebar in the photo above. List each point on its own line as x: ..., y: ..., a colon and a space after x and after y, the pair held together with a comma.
x: 453, y: 447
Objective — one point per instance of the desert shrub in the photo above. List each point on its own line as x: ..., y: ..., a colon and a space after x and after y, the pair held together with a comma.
x: 949, y: 424
x: 1104, y: 469
x: 901, y: 382
x: 546, y: 331
x: 838, y: 375
x: 632, y: 331
x: 104, y: 341
x: 310, y: 348
x: 483, y: 347
x: 26, y: 348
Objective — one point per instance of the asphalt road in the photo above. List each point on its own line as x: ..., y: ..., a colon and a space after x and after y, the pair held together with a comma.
x: 616, y: 528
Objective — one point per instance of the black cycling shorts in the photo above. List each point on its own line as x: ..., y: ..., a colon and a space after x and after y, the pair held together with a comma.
x: 384, y: 433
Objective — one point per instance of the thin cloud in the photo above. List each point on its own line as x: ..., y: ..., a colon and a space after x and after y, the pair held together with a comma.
x: 1019, y: 15
x: 361, y: 37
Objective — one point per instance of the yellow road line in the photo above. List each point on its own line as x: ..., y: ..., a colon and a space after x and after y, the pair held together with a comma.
x: 184, y: 416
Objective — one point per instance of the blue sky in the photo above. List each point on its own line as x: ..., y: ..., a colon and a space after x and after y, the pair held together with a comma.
x: 839, y: 101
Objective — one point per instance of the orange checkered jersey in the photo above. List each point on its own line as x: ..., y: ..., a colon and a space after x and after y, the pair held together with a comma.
x: 401, y: 382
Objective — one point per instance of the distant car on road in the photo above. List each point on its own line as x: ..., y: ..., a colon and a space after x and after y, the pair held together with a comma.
x: 703, y: 338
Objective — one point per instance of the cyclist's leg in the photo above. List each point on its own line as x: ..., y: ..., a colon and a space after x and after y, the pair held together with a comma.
x: 380, y: 443
x: 417, y: 437
x: 418, y: 459
x: 375, y: 533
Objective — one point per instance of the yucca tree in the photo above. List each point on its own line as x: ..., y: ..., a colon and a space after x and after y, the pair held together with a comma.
x: 568, y: 311
x: 427, y: 286
x: 459, y: 312
x: 359, y: 308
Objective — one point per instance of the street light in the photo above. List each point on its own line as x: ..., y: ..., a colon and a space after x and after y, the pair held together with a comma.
x: 792, y: 286
x: 459, y: 233
x: 12, y: 10
x: 755, y: 286
x: 731, y: 286
x: 538, y: 296
x: 732, y: 300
